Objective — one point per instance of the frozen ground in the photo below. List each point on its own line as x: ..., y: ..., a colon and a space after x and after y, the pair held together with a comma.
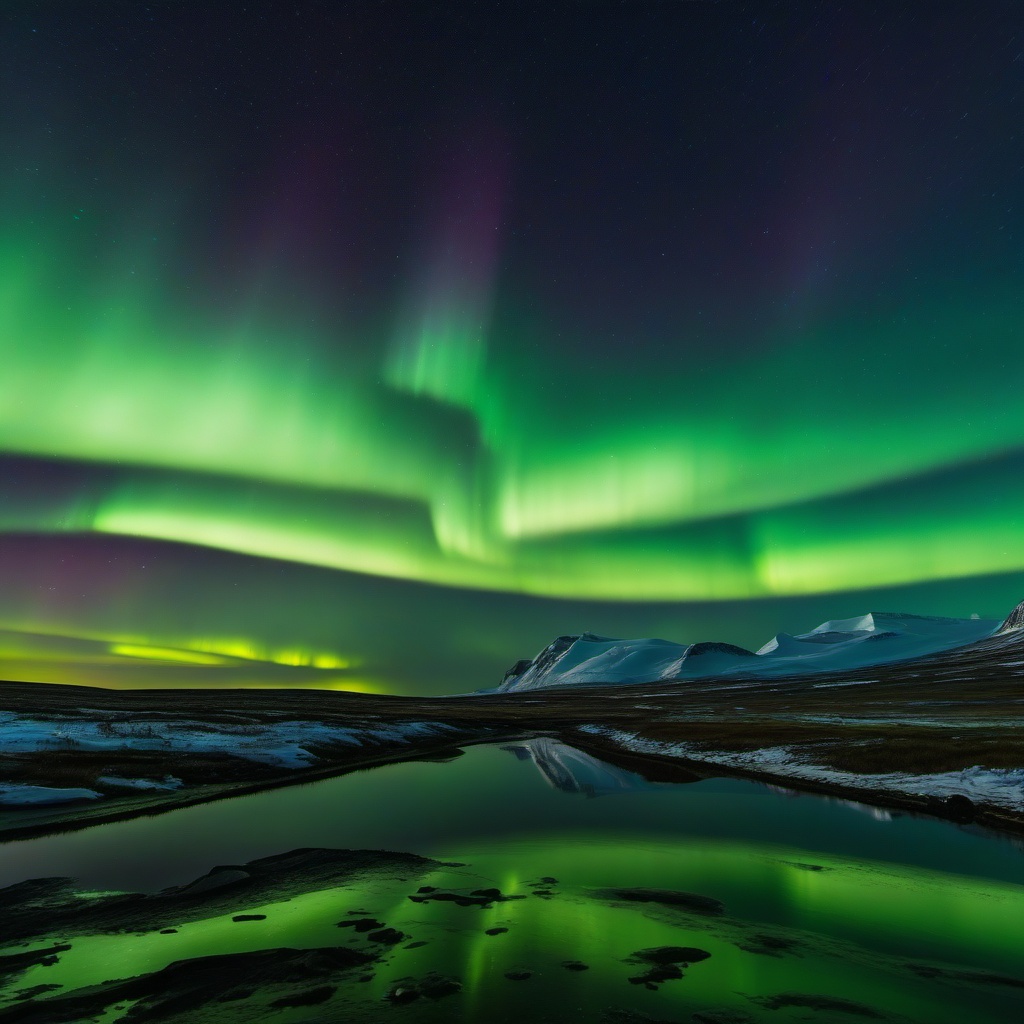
x: 282, y: 744
x: 16, y: 795
x: 287, y: 745
x: 999, y: 787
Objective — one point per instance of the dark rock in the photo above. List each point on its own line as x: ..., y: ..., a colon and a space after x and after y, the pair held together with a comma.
x: 459, y: 899
x: 768, y: 945
x: 33, y: 910
x: 236, y: 995
x: 666, y: 963
x: 427, y: 888
x: 495, y: 931
x: 684, y: 955
x: 518, y: 975
x: 15, y: 963
x: 437, y: 986
x: 721, y: 1017
x: 33, y: 892
x: 311, y: 997
x: 477, y: 898
x: 404, y: 991
x: 959, y: 808
x: 168, y: 931
x: 717, y: 647
x: 430, y: 986
x: 1015, y: 620
x: 361, y: 924
x: 387, y: 936
x: 657, y: 974
x: 516, y: 670
x: 972, y: 977
x: 706, y: 906
x: 36, y: 990
x: 249, y: 917
x: 415, y: 945
x: 826, y: 1004
x: 185, y: 986
x: 619, y: 1016
x: 217, y: 878
x: 575, y: 965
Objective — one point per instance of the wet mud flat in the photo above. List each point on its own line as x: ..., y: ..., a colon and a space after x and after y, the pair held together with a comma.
x: 395, y: 936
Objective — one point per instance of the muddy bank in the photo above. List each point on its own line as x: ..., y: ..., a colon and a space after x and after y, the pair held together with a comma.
x: 91, y: 756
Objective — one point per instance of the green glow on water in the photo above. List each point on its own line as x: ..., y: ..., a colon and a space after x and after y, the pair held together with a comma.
x: 854, y: 927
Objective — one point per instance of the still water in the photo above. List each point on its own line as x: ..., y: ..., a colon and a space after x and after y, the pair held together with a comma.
x: 831, y: 911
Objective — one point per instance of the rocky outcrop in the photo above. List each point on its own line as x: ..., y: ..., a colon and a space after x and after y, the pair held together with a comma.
x: 1015, y: 620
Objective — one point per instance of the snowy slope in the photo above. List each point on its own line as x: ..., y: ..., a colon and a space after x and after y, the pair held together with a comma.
x: 836, y: 645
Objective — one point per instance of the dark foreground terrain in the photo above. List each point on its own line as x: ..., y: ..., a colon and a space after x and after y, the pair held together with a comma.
x: 357, y: 906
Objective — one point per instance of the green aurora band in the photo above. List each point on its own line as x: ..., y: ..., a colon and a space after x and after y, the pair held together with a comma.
x: 871, y: 449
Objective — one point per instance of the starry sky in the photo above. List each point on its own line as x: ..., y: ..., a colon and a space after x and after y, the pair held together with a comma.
x: 371, y: 345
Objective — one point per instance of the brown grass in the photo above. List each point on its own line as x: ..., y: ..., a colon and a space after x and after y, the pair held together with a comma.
x: 870, y: 749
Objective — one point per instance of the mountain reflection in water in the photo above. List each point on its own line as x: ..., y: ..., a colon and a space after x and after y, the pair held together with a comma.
x: 717, y: 901
x: 574, y: 771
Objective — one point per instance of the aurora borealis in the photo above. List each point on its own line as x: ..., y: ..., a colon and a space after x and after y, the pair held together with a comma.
x: 320, y: 328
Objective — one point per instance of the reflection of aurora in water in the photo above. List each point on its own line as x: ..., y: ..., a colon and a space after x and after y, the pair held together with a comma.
x: 842, y: 928
x: 853, y: 930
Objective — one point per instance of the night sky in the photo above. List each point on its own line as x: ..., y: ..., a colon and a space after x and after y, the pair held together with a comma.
x: 372, y: 345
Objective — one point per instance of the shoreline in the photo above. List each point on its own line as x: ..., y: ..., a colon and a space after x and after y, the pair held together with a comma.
x: 693, y: 731
x: 1007, y: 824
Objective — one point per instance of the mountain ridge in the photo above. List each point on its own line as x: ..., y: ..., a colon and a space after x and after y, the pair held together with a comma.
x: 836, y: 645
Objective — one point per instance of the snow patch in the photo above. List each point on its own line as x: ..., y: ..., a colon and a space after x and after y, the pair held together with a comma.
x: 12, y: 795
x: 833, y: 686
x: 1000, y: 787
x: 282, y: 744
x: 168, y: 783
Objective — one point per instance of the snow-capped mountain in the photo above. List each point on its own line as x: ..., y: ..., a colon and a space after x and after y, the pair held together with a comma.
x: 1013, y: 621
x: 834, y: 646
